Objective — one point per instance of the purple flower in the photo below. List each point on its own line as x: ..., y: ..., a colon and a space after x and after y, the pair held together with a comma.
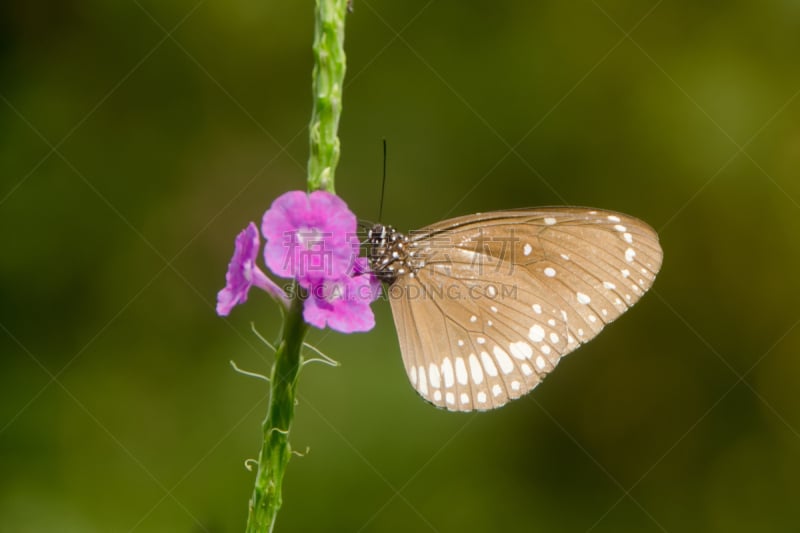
x: 342, y: 303
x: 243, y: 273
x: 309, y: 237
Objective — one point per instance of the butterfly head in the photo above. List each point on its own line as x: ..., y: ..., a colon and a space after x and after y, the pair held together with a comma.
x: 388, y: 253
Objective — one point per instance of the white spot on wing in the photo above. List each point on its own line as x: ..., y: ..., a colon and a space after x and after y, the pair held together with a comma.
x: 433, y: 372
x: 583, y: 298
x: 536, y: 333
x: 537, y: 309
x: 464, y: 397
x: 461, y: 371
x: 481, y: 397
x: 613, y: 218
x: 554, y: 338
x: 546, y: 349
x: 447, y: 372
x: 450, y: 398
x: 496, y: 390
x: 550, y: 272
x: 630, y: 253
x: 488, y: 364
x: 609, y: 285
x: 521, y: 350
x: 437, y: 395
x: 412, y: 375
x: 473, y: 318
x: 620, y: 228
x: 423, y: 382
x: 527, y: 249
x: 505, y: 362
x: 515, y: 385
x: 526, y: 369
x: 627, y: 237
x: 475, y: 369
x: 540, y: 363
x: 549, y: 221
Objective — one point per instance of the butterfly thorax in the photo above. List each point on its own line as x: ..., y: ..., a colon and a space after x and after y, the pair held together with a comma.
x: 390, y: 254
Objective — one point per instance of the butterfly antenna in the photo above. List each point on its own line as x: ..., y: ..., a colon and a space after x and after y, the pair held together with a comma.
x: 383, y: 182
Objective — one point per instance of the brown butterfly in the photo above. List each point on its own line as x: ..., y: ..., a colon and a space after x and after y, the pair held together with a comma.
x: 486, y: 305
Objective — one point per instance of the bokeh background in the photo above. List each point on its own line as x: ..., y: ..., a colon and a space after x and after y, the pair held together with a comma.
x: 138, y: 137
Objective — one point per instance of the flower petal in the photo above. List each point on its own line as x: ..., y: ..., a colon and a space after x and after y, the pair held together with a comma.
x: 239, y: 276
x: 341, y: 304
x: 309, y: 236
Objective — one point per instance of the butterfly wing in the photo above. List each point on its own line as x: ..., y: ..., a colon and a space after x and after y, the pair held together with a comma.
x: 501, y: 297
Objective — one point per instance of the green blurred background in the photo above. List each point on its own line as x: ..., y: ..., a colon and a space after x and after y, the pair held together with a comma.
x: 138, y: 137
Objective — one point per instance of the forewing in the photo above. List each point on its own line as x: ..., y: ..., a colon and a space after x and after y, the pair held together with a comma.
x: 503, y: 296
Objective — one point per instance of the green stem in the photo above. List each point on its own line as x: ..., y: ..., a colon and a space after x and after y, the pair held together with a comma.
x: 328, y: 79
x: 276, y: 451
x: 327, y: 82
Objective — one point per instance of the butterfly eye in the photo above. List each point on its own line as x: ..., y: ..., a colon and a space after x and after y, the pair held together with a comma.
x: 487, y: 305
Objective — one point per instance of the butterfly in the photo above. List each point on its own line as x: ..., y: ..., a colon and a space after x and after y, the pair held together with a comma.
x: 486, y: 305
